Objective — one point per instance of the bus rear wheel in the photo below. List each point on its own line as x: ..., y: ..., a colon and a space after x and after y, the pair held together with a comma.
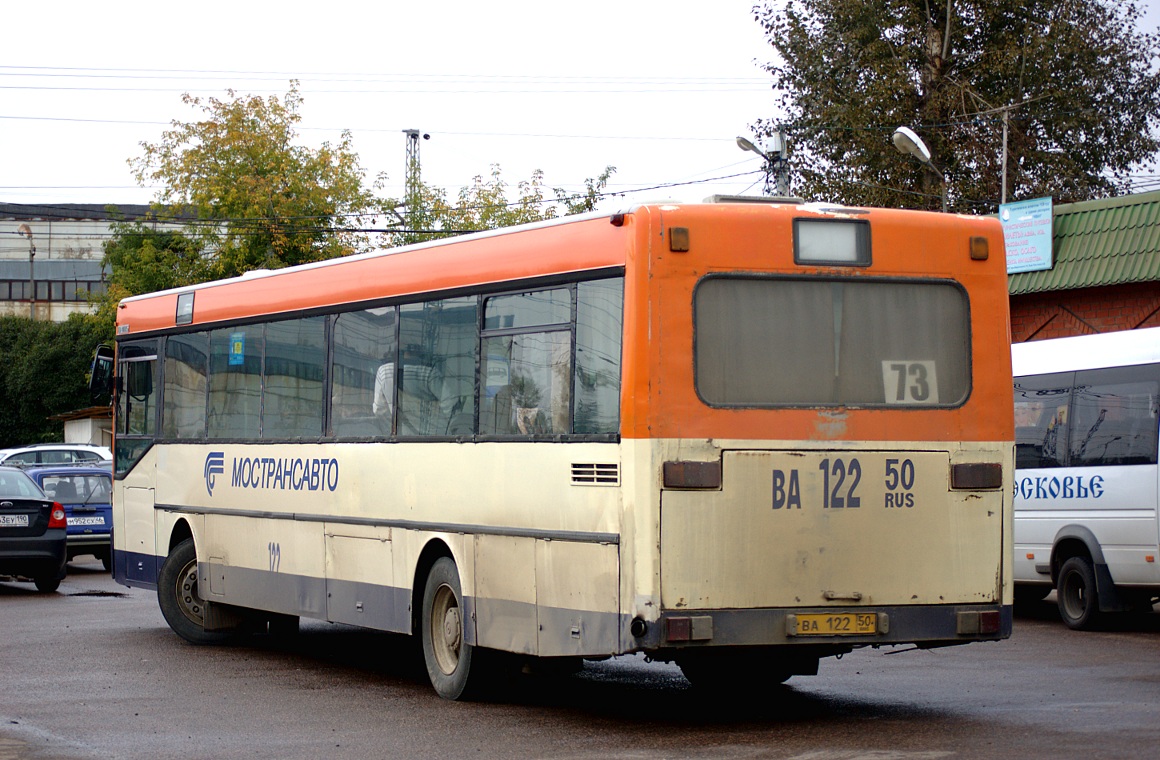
x: 178, y: 597
x: 1079, y: 603
x: 447, y: 655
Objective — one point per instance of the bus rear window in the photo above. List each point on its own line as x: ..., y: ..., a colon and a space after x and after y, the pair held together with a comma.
x: 831, y: 342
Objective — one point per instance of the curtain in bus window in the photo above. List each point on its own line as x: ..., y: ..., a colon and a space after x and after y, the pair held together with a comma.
x: 599, y: 320
x: 526, y: 387
x: 1041, y: 414
x: 774, y: 342
x: 293, y: 368
x: 1114, y: 416
x: 362, y: 394
x: 436, y: 381
x: 186, y: 366
x: 235, y: 382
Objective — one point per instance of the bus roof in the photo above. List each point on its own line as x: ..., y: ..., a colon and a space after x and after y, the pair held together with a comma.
x: 526, y: 253
x: 512, y: 253
x: 1114, y: 349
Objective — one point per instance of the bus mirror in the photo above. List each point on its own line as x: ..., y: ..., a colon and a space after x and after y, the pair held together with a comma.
x: 101, y: 373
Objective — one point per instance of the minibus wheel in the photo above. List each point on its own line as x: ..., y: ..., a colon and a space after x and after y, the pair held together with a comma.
x: 1075, y: 591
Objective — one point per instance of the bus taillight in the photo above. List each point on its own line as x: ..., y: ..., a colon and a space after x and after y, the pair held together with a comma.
x: 977, y: 476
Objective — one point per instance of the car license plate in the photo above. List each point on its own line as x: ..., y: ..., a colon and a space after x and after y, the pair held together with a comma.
x: 14, y: 521
x: 86, y: 521
x: 837, y: 624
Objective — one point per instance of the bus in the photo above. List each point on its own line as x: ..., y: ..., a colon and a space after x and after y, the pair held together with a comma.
x: 736, y: 436
x: 1086, y: 481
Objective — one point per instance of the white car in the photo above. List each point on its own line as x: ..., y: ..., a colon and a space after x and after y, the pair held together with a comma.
x: 56, y: 453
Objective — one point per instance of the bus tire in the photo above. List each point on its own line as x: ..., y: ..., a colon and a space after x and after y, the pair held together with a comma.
x: 447, y: 655
x: 177, y: 595
x: 1076, y: 595
x: 46, y: 584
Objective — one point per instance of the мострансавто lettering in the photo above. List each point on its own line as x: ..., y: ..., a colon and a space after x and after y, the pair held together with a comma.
x: 285, y: 473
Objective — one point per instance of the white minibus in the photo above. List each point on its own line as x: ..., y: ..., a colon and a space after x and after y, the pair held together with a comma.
x: 1086, y: 485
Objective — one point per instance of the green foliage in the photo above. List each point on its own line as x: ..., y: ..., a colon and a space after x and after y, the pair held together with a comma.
x: 145, y: 259
x: 44, y: 374
x: 250, y: 194
x: 848, y: 72
x: 485, y: 205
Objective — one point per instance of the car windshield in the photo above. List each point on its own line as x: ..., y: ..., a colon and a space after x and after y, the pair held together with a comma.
x: 76, y: 489
x: 17, y: 485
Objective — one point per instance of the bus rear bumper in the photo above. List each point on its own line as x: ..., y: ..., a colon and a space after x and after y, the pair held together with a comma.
x: 924, y: 626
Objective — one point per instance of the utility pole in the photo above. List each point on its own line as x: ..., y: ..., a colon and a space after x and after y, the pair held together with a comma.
x: 776, y: 163
x: 411, y: 189
x: 25, y: 230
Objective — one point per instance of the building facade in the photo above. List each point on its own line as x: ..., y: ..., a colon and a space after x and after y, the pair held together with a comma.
x: 55, y: 252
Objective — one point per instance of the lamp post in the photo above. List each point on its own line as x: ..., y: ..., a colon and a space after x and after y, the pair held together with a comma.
x: 908, y: 142
x: 776, y: 162
x: 26, y: 231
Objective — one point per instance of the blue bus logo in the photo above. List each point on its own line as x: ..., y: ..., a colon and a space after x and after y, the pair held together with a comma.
x: 215, y: 464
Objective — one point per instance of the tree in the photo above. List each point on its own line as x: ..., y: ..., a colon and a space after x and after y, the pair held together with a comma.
x: 484, y: 205
x: 254, y: 198
x: 1073, y: 77
x: 44, y: 374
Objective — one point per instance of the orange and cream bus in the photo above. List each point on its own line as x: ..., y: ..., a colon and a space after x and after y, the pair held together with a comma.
x: 737, y: 436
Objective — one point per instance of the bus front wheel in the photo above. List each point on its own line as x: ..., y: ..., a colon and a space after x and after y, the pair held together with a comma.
x: 177, y: 594
x: 445, y: 652
x: 1076, y: 594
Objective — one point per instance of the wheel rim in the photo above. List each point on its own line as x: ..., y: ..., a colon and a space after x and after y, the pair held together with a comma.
x: 185, y: 590
x: 1074, y: 599
x: 446, y: 629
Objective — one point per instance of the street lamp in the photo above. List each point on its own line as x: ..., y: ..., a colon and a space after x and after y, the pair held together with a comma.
x: 776, y: 162
x: 26, y: 231
x: 908, y: 142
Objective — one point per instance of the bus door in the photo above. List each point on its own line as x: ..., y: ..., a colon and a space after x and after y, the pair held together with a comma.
x: 135, y: 426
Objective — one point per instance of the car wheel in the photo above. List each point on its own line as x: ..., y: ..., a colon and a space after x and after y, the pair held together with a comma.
x: 1079, y: 603
x: 46, y: 584
x: 181, y: 603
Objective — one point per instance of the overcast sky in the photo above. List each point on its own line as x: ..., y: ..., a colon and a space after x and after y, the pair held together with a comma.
x: 658, y: 89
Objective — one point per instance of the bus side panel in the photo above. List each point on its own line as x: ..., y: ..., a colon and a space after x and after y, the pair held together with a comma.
x: 360, y: 581
x: 1117, y: 504
x: 273, y: 565
x: 577, y: 595
x: 505, y: 593
x: 548, y: 598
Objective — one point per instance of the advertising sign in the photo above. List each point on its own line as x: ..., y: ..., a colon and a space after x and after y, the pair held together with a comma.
x: 1027, y: 234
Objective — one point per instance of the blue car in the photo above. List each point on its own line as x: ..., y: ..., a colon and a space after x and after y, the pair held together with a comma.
x: 85, y: 493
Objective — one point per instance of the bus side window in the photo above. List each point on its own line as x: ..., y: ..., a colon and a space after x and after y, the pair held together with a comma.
x: 1114, y: 416
x: 1041, y: 420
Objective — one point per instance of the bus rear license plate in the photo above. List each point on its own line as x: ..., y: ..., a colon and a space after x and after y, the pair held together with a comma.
x: 86, y: 521
x: 837, y: 624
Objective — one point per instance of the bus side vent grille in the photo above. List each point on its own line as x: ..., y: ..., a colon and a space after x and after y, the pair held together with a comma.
x: 596, y: 474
